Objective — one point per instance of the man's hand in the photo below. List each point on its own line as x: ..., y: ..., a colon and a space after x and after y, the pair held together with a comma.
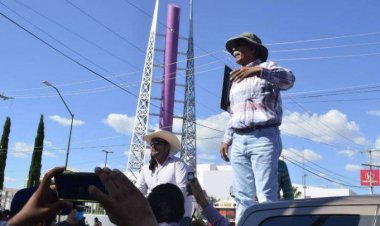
x: 43, y: 203
x: 244, y: 72
x: 124, y: 203
x: 224, y: 152
x: 198, y: 193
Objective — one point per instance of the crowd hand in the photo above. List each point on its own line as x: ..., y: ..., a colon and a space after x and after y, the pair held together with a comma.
x: 43, y: 204
x: 224, y: 152
x: 125, y: 204
x: 244, y: 72
x: 198, y: 193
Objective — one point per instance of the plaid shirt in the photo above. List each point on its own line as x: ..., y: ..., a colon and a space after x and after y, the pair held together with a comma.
x: 256, y: 100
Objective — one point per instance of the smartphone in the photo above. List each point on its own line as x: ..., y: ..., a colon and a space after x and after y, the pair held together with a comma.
x: 191, y: 176
x: 74, y: 186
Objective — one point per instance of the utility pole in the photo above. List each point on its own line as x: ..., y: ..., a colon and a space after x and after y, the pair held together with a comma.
x: 371, y: 175
x: 303, y: 176
x: 107, y: 152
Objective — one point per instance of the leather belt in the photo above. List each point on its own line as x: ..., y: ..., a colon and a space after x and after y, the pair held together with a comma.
x: 253, y: 128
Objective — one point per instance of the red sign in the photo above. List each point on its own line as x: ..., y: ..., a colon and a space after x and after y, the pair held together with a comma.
x: 367, y: 178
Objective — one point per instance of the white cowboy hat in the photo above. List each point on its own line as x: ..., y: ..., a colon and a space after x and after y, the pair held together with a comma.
x: 165, y: 135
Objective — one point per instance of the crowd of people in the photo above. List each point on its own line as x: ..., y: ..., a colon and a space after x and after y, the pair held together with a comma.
x: 161, y: 193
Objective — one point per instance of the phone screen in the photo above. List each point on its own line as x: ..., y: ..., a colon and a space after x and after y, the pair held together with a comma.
x: 190, y: 176
x: 74, y: 186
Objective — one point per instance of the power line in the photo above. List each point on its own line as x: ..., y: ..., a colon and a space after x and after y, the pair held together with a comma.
x: 76, y: 34
x: 317, y: 165
x: 320, y: 176
x: 327, y: 127
x: 106, y: 27
x: 324, y: 47
x: 324, y: 39
x: 327, y: 57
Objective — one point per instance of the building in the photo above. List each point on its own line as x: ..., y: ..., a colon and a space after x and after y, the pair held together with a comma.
x: 217, y: 181
x: 317, y: 192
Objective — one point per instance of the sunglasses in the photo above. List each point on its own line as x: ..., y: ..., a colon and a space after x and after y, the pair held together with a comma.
x: 157, y: 143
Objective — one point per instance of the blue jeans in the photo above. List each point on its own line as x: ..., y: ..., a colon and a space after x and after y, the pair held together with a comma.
x: 254, y: 160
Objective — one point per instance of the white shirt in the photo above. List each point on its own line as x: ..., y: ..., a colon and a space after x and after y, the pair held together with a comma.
x: 174, y: 170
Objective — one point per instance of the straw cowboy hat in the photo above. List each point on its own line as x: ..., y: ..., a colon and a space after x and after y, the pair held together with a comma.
x: 250, y: 39
x: 165, y: 135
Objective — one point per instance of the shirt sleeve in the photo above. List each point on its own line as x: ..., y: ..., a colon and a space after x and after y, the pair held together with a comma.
x: 141, y: 183
x: 281, y: 77
x: 227, y: 138
x: 214, y: 217
x: 181, y: 180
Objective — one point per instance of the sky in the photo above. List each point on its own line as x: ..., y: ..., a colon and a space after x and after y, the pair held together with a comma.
x: 331, y: 115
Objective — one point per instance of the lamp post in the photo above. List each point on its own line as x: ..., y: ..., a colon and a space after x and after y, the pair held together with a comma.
x: 107, y: 152
x: 72, y: 119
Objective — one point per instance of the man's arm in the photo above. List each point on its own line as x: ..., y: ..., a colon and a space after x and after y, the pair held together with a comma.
x: 281, y: 77
x: 181, y: 180
x: 141, y: 183
x: 211, y: 214
x: 227, y: 139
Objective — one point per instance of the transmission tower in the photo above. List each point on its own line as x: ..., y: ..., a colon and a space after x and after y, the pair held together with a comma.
x: 140, y: 127
x: 188, y: 142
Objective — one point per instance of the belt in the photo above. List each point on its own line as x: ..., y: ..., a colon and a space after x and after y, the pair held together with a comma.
x: 253, y: 128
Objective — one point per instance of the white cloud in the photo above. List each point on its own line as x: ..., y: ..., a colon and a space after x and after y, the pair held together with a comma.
x: 123, y: 124
x: 48, y: 153
x: 375, y: 113
x: 377, y: 143
x: 332, y: 127
x: 65, y: 121
x: 208, y: 140
x: 352, y: 167
x: 348, y: 153
x: 48, y: 145
x: 9, y: 180
x: 300, y: 156
x: 22, y: 150
x: 207, y: 158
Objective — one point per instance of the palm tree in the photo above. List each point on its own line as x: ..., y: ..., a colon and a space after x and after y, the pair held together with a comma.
x: 297, y: 193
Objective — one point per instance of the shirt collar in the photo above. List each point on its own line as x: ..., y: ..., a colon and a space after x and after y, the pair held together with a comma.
x: 254, y: 63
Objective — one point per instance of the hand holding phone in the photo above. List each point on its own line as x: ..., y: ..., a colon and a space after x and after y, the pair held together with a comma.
x: 74, y: 186
x: 190, y: 178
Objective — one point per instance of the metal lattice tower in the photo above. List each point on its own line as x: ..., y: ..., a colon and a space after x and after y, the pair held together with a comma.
x: 140, y: 127
x: 188, y: 142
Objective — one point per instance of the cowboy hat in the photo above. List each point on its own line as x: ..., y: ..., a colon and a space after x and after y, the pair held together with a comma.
x: 165, y: 135
x: 250, y: 39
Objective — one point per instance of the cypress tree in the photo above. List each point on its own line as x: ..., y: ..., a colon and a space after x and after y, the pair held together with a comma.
x: 35, y: 165
x: 4, y: 149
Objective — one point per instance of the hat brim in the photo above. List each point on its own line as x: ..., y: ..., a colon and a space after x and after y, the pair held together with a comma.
x: 165, y: 135
x: 262, y: 50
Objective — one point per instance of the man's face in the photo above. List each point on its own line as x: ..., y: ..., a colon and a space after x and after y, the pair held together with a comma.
x: 243, y: 54
x: 159, y: 147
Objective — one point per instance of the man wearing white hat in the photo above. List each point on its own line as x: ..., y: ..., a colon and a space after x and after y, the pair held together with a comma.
x: 163, y: 166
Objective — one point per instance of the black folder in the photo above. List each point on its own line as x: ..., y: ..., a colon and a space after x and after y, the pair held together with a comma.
x: 225, y: 100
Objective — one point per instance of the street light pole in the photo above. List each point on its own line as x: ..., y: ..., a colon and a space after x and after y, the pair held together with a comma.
x: 72, y: 119
x: 107, y: 152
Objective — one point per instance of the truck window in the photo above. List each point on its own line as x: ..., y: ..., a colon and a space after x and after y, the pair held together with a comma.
x: 313, y: 220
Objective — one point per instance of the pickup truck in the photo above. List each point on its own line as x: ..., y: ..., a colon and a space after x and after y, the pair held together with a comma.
x: 331, y: 211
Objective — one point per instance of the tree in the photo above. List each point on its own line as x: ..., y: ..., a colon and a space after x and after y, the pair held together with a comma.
x: 35, y: 165
x: 297, y: 193
x: 4, y: 150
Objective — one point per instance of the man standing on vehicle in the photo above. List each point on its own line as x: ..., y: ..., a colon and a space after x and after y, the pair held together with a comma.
x: 255, y: 115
